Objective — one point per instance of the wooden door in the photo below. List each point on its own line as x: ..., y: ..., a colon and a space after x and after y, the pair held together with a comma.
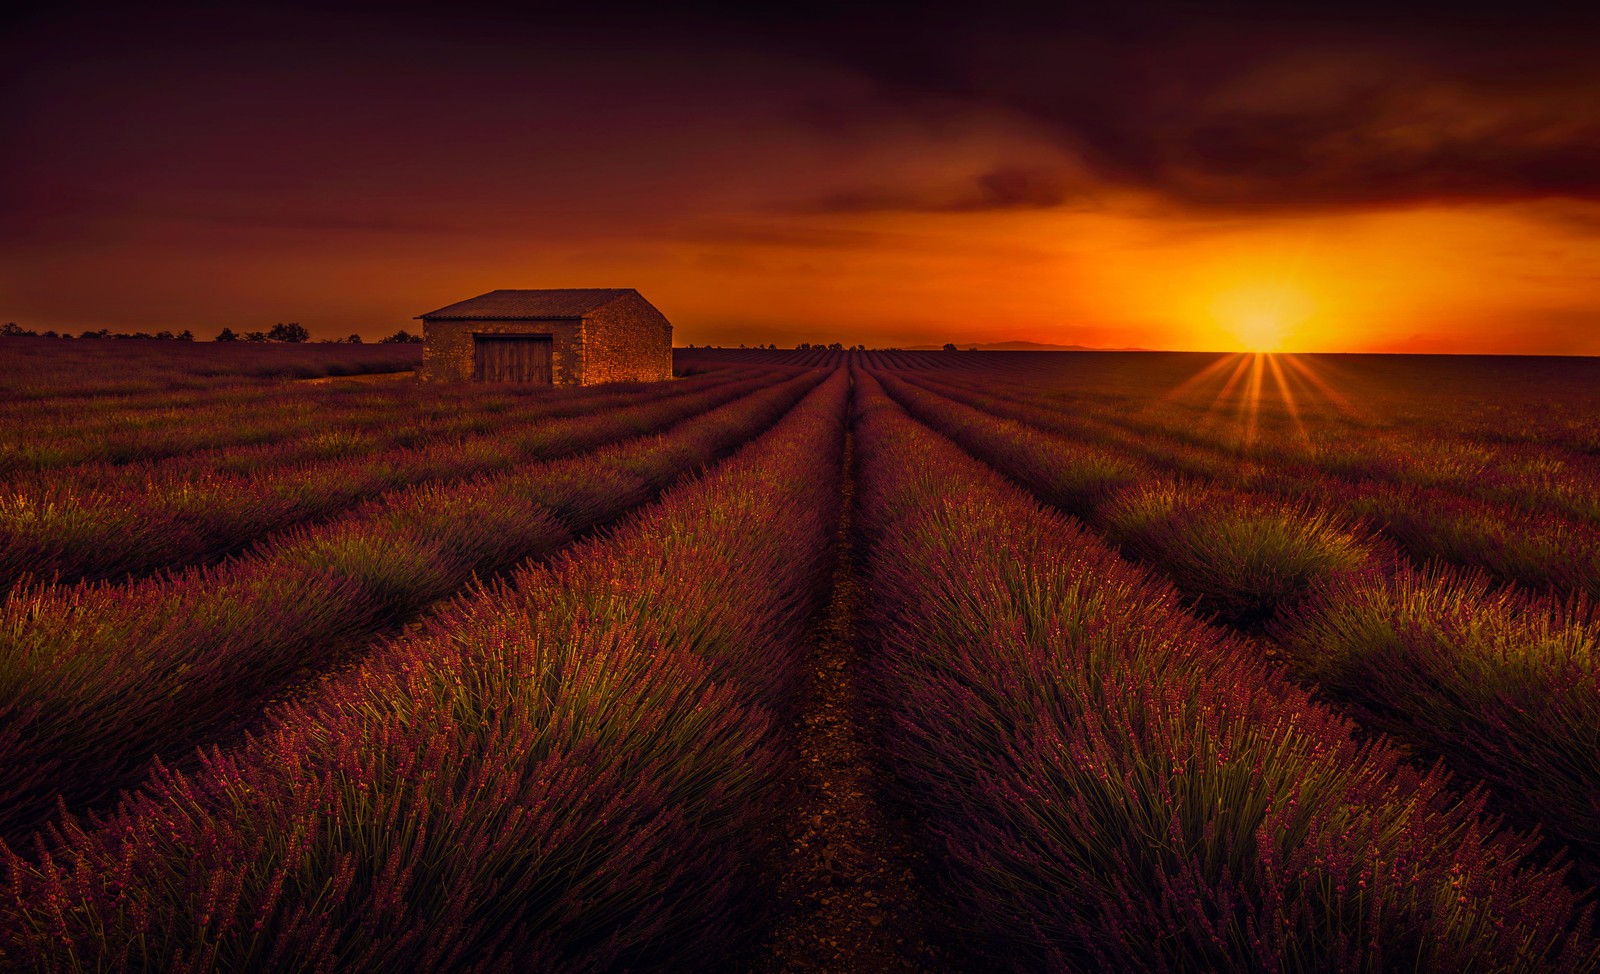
x: 511, y: 358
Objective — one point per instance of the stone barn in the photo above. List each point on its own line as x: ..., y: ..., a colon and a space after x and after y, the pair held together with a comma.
x: 557, y: 336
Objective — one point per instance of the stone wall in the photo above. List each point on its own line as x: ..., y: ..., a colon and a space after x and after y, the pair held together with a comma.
x: 447, y: 350
x: 628, y: 340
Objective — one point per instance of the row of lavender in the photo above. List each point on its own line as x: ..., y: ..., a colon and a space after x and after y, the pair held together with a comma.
x: 103, y: 434
x: 1543, y: 552
x: 66, y: 431
x: 1109, y: 783
x: 1542, y: 401
x: 136, y: 520
x: 1386, y: 471
x: 1502, y: 683
x: 409, y: 416
x: 1470, y: 401
x: 578, y: 771
x: 51, y: 368
x: 1545, y: 402
x: 97, y: 678
x: 69, y: 431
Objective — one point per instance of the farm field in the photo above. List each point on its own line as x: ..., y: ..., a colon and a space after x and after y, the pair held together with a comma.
x: 804, y: 661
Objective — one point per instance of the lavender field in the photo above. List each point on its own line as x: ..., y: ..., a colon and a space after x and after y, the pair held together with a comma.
x: 806, y: 660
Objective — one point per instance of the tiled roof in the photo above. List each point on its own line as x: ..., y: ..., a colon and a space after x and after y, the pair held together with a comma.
x: 565, y: 302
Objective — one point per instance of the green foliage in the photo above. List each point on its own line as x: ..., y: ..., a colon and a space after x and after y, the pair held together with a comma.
x: 1505, y: 686
x: 1109, y: 784
x: 1240, y: 557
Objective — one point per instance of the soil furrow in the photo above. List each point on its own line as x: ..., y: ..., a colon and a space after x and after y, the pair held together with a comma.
x: 848, y: 899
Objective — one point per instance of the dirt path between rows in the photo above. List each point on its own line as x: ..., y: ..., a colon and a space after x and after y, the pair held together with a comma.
x: 848, y: 899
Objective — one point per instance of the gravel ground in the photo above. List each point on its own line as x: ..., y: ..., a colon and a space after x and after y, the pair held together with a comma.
x: 848, y: 899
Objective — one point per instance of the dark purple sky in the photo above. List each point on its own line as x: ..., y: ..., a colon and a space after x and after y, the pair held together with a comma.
x: 1175, y: 175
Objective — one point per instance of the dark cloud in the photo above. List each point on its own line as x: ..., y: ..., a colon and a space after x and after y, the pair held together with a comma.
x: 1571, y: 217
x: 1388, y: 146
x: 996, y: 189
x: 1260, y: 106
x: 746, y: 234
x: 1237, y: 105
x: 721, y: 236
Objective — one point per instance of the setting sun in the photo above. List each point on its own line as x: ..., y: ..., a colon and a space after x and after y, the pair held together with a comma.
x: 1262, y: 317
x: 1263, y: 333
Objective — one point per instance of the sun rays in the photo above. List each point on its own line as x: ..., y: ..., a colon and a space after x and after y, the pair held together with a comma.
x: 1262, y: 395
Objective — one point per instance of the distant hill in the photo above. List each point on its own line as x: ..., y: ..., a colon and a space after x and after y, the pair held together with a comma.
x: 1019, y: 347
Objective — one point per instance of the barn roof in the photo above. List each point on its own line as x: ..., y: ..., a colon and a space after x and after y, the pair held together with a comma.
x: 561, y: 302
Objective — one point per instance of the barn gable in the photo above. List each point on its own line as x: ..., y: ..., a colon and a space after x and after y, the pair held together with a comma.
x: 561, y: 336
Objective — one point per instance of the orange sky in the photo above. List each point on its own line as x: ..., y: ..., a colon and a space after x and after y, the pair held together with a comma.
x: 1349, y: 195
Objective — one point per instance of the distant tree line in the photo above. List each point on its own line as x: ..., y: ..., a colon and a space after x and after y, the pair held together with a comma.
x: 13, y: 330
x: 295, y: 332
x: 291, y: 332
